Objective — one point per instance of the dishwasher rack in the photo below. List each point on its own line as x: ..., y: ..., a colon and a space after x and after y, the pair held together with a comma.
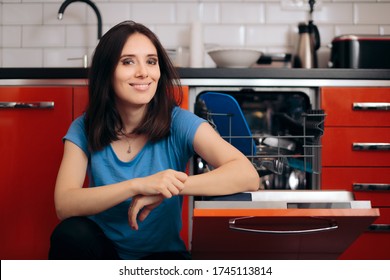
x: 296, y: 153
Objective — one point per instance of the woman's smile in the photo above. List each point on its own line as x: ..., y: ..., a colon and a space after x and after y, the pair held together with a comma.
x: 141, y: 86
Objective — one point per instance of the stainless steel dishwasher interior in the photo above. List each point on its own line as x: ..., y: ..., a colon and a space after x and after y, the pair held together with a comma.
x: 286, y: 125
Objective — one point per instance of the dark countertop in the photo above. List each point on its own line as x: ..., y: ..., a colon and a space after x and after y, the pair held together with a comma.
x: 212, y: 73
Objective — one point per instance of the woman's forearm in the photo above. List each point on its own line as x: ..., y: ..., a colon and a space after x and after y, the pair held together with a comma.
x: 90, y: 201
x: 78, y: 201
x: 233, y: 177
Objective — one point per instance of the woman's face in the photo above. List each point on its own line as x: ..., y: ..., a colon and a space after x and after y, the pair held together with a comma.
x: 137, y: 73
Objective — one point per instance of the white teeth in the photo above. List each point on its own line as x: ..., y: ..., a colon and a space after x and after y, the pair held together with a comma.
x: 141, y: 86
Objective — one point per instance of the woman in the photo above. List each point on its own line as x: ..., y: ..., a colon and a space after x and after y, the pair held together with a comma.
x: 134, y: 142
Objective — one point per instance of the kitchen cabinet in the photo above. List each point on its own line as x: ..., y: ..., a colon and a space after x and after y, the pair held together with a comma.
x: 356, y: 157
x: 80, y: 100
x: 32, y: 122
x: 31, y: 148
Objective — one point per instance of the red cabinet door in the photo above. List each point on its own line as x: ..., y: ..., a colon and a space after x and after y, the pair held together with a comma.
x: 31, y: 150
x: 355, y: 146
x: 80, y: 100
x: 358, y: 106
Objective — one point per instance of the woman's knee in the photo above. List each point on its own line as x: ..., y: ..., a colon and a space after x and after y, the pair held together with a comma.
x: 74, y: 229
x: 80, y: 238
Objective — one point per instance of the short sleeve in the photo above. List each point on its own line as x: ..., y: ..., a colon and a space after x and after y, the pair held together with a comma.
x: 77, y: 134
x: 185, y: 124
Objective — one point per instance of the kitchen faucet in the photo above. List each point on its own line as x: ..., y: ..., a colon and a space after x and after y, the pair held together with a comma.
x: 90, y: 3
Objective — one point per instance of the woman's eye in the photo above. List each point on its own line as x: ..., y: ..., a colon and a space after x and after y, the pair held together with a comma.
x: 127, y: 61
x: 152, y: 61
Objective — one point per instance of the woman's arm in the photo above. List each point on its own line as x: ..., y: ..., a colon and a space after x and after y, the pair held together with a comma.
x: 232, y: 172
x: 71, y: 199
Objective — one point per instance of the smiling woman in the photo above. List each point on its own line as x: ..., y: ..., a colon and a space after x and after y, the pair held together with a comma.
x: 136, y: 75
x: 134, y: 143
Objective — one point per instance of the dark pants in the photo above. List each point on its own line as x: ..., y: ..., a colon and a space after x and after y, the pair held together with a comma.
x: 79, y: 238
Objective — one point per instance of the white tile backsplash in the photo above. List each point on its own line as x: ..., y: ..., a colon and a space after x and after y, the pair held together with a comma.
x: 274, y: 13
x: 22, y: 14
x: 372, y: 14
x: 12, y: 36
x: 242, y: 13
x: 1, y: 35
x: 356, y: 29
x: 267, y: 36
x: 111, y: 14
x: 81, y: 36
x: 32, y: 36
x: 335, y: 13
x: 43, y: 36
x: 224, y: 35
x: 22, y: 57
x: 156, y: 13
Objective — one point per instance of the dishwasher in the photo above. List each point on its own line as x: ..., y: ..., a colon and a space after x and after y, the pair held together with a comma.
x: 279, y: 130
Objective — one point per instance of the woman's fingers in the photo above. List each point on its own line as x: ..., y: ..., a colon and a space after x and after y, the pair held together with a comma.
x: 167, y: 183
x: 133, y: 212
x: 141, y: 206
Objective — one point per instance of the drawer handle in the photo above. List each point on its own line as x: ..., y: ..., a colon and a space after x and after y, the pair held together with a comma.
x: 371, y: 106
x: 379, y: 228
x: 371, y: 146
x: 232, y: 225
x: 27, y: 105
x: 370, y: 187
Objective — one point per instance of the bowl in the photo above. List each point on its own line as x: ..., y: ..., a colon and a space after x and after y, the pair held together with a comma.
x: 234, y: 57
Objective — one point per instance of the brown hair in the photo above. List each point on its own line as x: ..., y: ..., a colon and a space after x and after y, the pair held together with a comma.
x: 102, y: 118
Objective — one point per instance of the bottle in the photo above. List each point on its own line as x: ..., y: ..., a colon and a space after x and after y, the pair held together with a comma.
x: 196, y: 45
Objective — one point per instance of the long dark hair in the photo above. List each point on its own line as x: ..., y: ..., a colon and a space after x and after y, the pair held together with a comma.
x: 102, y: 118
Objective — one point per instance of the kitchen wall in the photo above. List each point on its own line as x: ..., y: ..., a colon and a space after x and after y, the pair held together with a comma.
x: 31, y: 35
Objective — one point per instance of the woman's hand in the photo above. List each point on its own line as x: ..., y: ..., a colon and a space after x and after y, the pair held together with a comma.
x: 167, y: 183
x: 143, y: 205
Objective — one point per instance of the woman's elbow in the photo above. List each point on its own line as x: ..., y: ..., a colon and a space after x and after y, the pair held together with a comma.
x: 62, y: 211
x: 250, y: 180
x: 254, y: 182
x: 61, y: 214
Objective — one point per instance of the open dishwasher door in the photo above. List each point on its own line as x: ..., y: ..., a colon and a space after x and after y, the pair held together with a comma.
x: 279, y: 225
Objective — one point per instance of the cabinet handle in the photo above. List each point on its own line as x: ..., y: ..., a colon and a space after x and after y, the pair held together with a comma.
x: 371, y: 146
x: 379, y: 228
x: 232, y: 225
x: 370, y: 187
x: 371, y: 106
x: 27, y: 105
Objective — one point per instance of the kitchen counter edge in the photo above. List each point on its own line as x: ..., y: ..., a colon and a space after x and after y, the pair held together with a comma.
x: 216, y: 76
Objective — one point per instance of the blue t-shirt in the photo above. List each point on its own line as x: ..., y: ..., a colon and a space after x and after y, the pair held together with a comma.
x: 160, y: 231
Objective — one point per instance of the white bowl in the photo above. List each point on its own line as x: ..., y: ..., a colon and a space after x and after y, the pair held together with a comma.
x: 234, y: 57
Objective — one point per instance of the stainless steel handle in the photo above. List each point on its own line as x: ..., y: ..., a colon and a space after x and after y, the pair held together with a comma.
x: 379, y: 228
x: 371, y: 146
x: 232, y: 225
x: 27, y: 105
x: 370, y: 187
x: 371, y: 106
